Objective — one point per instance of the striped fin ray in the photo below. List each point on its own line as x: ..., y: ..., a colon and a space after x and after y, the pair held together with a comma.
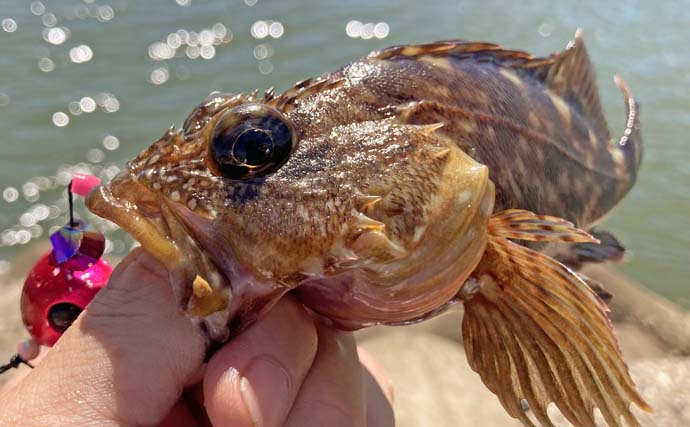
x: 525, y: 225
x: 287, y: 100
x: 534, y: 331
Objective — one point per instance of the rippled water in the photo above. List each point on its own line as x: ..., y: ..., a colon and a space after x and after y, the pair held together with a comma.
x: 87, y: 84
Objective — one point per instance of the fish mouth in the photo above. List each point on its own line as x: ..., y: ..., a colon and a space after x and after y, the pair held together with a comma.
x: 202, y: 289
x: 145, y: 226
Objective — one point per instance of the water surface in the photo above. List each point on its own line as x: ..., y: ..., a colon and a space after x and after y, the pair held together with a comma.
x: 122, y: 71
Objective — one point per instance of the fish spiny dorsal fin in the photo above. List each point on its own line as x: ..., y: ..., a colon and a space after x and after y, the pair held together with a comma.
x: 287, y: 100
x: 569, y: 74
x: 456, y: 48
x: 535, y: 332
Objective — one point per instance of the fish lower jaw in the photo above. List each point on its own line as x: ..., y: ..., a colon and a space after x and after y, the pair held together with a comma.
x: 103, y: 203
x: 200, y: 289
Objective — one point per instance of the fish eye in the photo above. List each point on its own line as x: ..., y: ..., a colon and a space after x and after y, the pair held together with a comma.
x: 250, y: 141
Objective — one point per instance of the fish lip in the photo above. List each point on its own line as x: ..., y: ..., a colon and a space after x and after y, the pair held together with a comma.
x: 182, y: 241
x: 159, y: 231
x: 104, y: 202
x: 252, y: 293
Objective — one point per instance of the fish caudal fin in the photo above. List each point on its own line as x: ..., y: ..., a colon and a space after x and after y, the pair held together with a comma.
x: 630, y: 144
x: 536, y: 333
x: 569, y: 74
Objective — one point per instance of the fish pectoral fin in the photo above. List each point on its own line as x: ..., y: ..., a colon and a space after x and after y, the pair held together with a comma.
x: 535, y: 332
x: 525, y: 225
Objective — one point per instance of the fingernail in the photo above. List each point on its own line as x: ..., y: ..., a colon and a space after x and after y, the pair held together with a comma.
x: 265, y: 377
x: 250, y: 401
x: 248, y: 395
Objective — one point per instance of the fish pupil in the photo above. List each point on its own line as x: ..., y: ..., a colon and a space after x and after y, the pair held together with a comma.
x: 250, y: 141
x: 253, y: 147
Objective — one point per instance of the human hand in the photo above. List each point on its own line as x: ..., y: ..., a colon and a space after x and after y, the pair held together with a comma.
x: 134, y: 359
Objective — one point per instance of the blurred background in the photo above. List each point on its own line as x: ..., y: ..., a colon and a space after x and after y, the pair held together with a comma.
x: 87, y: 84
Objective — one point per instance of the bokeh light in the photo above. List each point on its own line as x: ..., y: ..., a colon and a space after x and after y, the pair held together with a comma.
x: 108, y: 102
x: 105, y: 13
x: 219, y: 31
x: 207, y: 52
x: 46, y: 65
x: 276, y: 30
x: 9, y: 25
x: 265, y: 67
x: 60, y: 119
x: 87, y: 104
x: 188, y: 44
x: 159, y: 51
x: 37, y: 8
x: 30, y: 191
x: 259, y: 30
x: 10, y: 194
x: 381, y: 30
x: 49, y: 19
x: 56, y: 35
x: 546, y: 29
x: 74, y: 108
x: 263, y: 51
x: 80, y: 54
x: 111, y: 142
x: 159, y: 76
x: 357, y: 29
x: 95, y: 155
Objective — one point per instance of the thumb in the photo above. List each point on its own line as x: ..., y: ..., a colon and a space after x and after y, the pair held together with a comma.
x: 124, y: 361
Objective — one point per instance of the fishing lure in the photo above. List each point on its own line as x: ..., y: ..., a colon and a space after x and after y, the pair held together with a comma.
x: 63, y: 281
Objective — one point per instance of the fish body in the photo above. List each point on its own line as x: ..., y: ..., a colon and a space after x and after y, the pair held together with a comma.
x: 536, y: 123
x: 387, y: 190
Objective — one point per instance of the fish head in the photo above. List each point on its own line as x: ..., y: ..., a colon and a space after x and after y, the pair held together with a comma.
x: 251, y: 199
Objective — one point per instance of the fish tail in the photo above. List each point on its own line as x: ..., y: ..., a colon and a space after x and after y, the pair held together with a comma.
x: 629, y: 146
x: 536, y: 333
x: 569, y: 74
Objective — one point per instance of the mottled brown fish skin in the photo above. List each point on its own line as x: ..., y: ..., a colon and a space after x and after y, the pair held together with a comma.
x: 543, y: 154
x: 374, y: 139
x: 377, y: 144
x: 381, y: 210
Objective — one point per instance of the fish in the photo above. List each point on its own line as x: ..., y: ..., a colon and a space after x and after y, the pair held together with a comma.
x: 412, y: 179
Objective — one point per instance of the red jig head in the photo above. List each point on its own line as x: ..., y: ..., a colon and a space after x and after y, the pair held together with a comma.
x: 63, y: 282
